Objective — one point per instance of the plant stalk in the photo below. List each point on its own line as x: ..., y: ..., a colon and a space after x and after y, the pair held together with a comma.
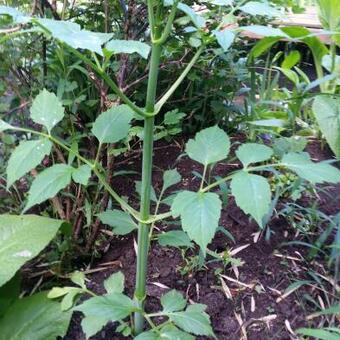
x: 143, y: 231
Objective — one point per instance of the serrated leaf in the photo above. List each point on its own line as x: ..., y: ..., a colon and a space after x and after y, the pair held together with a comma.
x: 121, y: 221
x: 34, y: 317
x: 302, y: 165
x: 109, y: 307
x: 225, y: 38
x: 175, y: 238
x: 115, y: 283
x: 173, y: 301
x: 327, y: 113
x: 209, y: 146
x: 249, y: 153
x: 71, y: 34
x: 47, y: 110
x: 128, y: 46
x: 48, y: 183
x: 82, y: 174
x: 200, y: 213
x: 113, y: 125
x: 21, y: 239
x: 193, y: 322
x: 25, y: 157
x: 284, y: 145
x: 252, y: 194
x: 170, y: 177
x: 173, y: 117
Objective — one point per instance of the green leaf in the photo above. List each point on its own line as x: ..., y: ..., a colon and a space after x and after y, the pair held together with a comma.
x: 252, y: 153
x: 173, y: 117
x: 260, y: 8
x: 9, y: 293
x: 175, y: 238
x: 26, y: 156
x: 173, y: 301
x: 21, y: 239
x: 318, y: 333
x: 263, y: 46
x: 225, y: 38
x: 284, y: 145
x: 196, y: 19
x: 71, y: 34
x: 47, y: 110
x: 153, y: 196
x: 91, y: 325
x: 252, y: 194
x: 193, y: 321
x: 5, y: 126
x: 78, y: 278
x: 291, y: 60
x: 82, y: 174
x: 48, y: 183
x: 121, y: 221
x: 34, y: 317
x: 265, y: 31
x: 170, y: 178
x: 168, y: 332
x: 128, y: 46
x: 327, y: 113
x: 100, y: 310
x: 209, y: 146
x: 17, y: 16
x: 200, y: 213
x: 277, y: 123
x: 115, y: 283
x: 113, y: 125
x: 302, y: 165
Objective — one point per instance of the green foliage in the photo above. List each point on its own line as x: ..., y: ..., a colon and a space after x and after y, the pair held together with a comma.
x: 113, y: 125
x: 175, y: 238
x: 173, y: 301
x: 120, y: 221
x: 200, y: 213
x: 35, y: 317
x: 47, y: 110
x: 115, y: 283
x: 249, y: 153
x: 48, y: 183
x: 302, y: 165
x: 26, y: 157
x: 252, y: 195
x: 327, y: 114
x: 209, y: 146
x: 22, y: 238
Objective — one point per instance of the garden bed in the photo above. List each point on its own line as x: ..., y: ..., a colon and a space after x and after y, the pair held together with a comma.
x: 257, y: 307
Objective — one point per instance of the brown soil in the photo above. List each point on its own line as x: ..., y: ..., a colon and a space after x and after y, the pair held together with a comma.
x: 267, y: 275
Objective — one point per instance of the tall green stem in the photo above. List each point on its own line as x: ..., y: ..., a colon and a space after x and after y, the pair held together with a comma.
x: 143, y: 231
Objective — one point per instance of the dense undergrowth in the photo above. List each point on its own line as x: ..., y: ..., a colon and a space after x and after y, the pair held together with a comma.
x: 89, y: 89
